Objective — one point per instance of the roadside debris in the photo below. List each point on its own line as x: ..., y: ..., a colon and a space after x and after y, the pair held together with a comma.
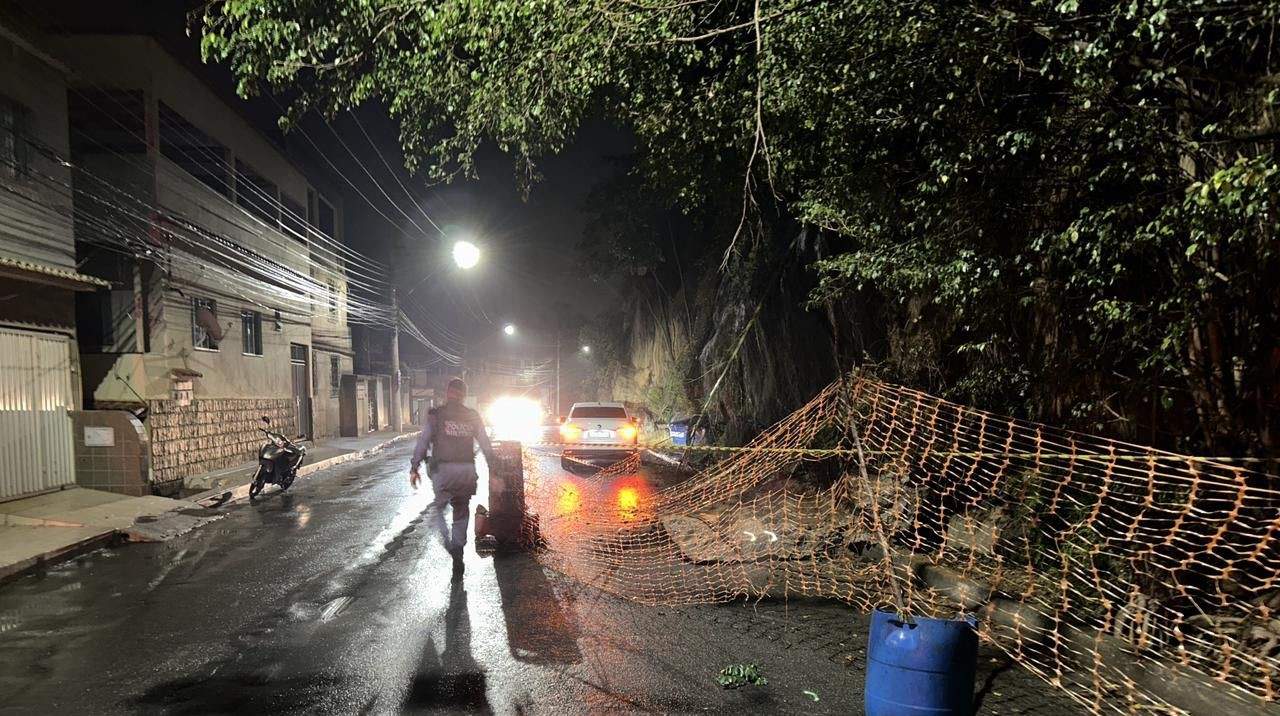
x: 736, y: 675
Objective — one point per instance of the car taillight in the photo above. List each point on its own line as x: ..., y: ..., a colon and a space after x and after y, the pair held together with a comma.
x: 627, y: 432
x: 569, y: 431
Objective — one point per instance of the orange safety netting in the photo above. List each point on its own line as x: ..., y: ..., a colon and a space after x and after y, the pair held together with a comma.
x: 1136, y: 580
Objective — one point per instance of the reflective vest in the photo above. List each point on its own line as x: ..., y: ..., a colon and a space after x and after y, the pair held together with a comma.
x: 453, y: 433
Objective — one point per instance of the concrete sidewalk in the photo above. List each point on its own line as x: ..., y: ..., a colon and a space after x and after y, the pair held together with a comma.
x: 222, y: 486
x: 59, y: 525
x: 56, y: 526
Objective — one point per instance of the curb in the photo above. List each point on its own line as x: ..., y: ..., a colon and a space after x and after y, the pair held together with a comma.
x: 221, y: 496
x: 10, y: 572
x: 661, y: 458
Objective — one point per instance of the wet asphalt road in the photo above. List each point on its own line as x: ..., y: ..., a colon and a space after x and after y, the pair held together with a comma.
x: 334, y: 598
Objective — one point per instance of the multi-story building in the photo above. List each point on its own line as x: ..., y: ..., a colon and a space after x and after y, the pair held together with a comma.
x: 39, y: 365
x: 228, y: 293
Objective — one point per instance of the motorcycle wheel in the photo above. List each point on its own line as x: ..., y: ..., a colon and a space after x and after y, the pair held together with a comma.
x: 255, y: 487
x: 287, y: 480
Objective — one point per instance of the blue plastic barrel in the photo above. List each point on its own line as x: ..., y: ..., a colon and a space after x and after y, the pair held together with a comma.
x: 920, y: 668
x: 679, y: 433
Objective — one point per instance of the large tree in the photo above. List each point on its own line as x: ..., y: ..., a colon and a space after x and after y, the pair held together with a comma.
x: 1065, y: 208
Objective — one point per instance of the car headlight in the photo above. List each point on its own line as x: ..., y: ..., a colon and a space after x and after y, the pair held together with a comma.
x: 516, y: 418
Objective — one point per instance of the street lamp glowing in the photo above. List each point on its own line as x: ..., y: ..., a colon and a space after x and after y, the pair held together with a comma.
x: 466, y: 254
x: 509, y: 329
x: 586, y: 349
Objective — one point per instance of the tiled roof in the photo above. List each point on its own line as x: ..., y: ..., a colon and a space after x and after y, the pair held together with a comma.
x: 8, y: 265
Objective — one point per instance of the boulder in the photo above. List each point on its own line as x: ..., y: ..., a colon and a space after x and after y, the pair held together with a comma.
x: 1023, y: 620
x: 1185, y: 688
x: 967, y: 593
x: 976, y: 533
x: 697, y: 541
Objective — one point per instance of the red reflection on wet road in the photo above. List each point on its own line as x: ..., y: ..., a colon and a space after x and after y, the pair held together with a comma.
x: 569, y: 499
x: 578, y: 505
x: 628, y: 503
x: 631, y: 495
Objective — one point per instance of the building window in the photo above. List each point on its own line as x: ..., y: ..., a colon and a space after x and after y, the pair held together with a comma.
x: 15, y: 160
x: 293, y: 218
x: 202, y: 156
x: 257, y: 194
x: 325, y: 218
x: 251, y: 331
x: 205, y: 330
x: 107, y: 121
x: 335, y: 376
x: 333, y: 301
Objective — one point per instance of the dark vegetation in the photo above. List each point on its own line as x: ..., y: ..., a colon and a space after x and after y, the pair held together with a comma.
x: 1058, y: 209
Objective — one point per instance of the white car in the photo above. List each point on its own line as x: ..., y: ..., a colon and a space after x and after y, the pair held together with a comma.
x: 598, y: 430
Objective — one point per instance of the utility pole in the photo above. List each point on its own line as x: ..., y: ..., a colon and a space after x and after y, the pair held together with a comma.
x: 396, y: 422
x: 557, y: 370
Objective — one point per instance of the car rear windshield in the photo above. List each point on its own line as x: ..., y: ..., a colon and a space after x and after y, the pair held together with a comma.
x: 599, y: 411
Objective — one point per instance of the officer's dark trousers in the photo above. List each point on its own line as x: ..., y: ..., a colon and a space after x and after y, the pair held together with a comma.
x: 454, y: 484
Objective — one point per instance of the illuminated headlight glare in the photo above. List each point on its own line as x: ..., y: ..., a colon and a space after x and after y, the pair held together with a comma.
x: 515, y: 418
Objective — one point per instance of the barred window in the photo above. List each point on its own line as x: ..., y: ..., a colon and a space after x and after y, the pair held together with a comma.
x: 251, y: 331
x: 205, y: 331
x: 15, y: 160
x: 335, y: 376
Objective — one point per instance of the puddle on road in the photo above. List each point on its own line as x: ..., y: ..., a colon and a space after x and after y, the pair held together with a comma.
x: 409, y: 513
x: 334, y: 608
x: 302, y: 516
x: 164, y: 571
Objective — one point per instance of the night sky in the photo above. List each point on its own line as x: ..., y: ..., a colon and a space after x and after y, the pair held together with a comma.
x: 528, y: 274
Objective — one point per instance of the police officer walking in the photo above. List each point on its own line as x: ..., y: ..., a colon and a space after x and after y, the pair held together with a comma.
x: 451, y: 434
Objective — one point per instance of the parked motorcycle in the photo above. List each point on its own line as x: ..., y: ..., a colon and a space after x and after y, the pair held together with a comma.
x: 278, y: 461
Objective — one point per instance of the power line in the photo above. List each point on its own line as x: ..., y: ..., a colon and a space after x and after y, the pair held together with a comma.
x: 148, y: 207
x: 394, y: 175
x: 347, y: 179
x: 340, y: 248
x: 376, y: 184
x: 118, y: 235
x: 312, y: 233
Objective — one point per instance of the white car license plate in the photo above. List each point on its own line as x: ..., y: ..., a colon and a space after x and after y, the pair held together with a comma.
x: 599, y: 434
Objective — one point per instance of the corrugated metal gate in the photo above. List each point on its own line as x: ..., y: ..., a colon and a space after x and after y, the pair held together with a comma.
x: 36, y: 449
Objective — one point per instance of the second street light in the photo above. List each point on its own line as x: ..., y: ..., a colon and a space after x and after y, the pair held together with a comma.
x: 510, y: 330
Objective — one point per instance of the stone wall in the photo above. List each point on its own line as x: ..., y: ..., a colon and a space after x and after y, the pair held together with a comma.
x: 211, y: 433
